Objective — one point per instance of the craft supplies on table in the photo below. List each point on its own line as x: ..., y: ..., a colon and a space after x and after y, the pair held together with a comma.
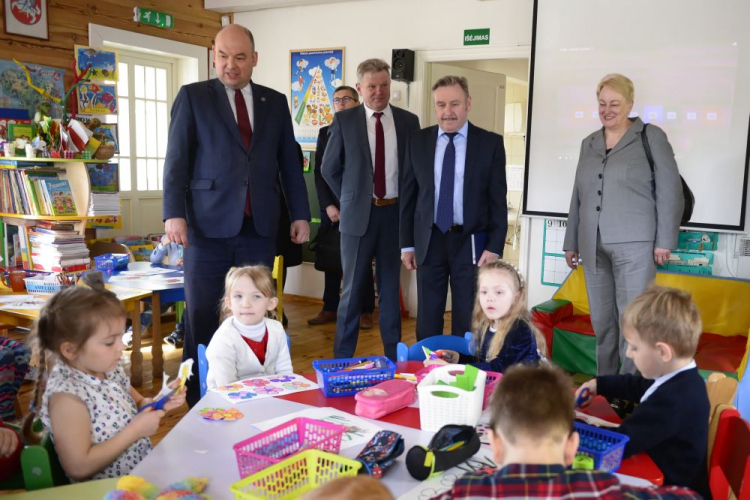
x: 604, y: 446
x: 294, y: 476
x: 448, y: 395
x: 384, y: 398
x: 274, y: 445
x: 345, y: 377
x: 489, y: 387
x: 111, y: 261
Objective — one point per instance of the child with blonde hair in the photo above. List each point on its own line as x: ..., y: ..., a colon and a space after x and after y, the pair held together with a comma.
x: 662, y: 327
x: 347, y: 488
x: 247, y: 342
x: 503, y: 333
x: 86, y: 401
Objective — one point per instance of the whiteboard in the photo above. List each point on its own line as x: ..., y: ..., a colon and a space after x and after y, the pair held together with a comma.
x: 690, y: 63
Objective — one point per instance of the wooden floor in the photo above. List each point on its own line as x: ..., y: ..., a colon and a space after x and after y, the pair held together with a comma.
x: 308, y: 344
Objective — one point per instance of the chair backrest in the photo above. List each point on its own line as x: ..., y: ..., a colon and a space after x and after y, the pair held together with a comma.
x: 278, y: 274
x: 730, y: 459
x: 721, y: 390
x: 713, y: 426
x: 104, y: 247
x: 415, y: 353
x: 202, y: 369
x: 40, y: 465
x: 743, y: 396
x: 203, y: 365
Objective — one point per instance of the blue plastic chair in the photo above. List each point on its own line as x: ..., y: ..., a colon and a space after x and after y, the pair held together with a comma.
x: 742, y: 401
x: 454, y: 343
x: 203, y: 365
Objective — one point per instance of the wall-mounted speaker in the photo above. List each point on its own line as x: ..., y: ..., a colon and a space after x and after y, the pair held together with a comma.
x: 402, y: 65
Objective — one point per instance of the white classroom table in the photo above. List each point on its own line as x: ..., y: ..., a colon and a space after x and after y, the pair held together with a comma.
x: 198, y: 447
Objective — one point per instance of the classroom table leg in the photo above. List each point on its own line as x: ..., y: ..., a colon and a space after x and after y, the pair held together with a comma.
x: 136, y: 356
x: 156, y: 337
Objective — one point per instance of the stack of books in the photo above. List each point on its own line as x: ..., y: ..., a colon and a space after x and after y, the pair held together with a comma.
x: 104, y: 204
x: 57, y: 247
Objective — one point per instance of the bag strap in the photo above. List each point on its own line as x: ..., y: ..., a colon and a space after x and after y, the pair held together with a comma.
x: 646, y: 146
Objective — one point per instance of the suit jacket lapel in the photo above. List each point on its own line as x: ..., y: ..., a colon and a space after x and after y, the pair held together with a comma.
x: 361, y: 127
x: 260, y: 109
x: 429, y: 155
x: 629, y: 135
x: 221, y: 102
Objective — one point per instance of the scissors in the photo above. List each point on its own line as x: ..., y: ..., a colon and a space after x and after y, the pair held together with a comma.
x: 584, y: 396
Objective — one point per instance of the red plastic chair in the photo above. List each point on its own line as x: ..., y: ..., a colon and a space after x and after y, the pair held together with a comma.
x: 730, y: 460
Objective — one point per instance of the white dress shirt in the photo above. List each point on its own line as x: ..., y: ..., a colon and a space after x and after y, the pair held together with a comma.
x: 459, y: 141
x: 391, y: 148
x: 247, y: 93
x: 661, y: 380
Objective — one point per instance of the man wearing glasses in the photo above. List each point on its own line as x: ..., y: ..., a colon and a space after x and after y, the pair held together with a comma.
x: 344, y: 97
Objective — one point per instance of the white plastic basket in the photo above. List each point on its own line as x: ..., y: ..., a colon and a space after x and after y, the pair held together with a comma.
x: 436, y: 411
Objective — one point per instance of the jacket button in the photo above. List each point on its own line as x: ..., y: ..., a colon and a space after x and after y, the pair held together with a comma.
x: 599, y: 192
x: 600, y: 176
x: 598, y: 209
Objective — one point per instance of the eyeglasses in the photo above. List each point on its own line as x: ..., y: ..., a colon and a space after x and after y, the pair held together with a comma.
x: 343, y: 100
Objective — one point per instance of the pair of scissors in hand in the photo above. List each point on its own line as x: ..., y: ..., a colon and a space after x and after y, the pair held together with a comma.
x: 584, y: 396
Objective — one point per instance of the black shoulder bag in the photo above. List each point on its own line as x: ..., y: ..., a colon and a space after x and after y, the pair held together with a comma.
x: 687, y: 194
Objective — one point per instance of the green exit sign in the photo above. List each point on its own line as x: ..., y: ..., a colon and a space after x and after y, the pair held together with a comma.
x: 477, y: 37
x: 153, y: 18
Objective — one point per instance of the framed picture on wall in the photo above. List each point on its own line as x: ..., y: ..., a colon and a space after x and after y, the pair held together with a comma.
x: 26, y: 18
x: 314, y: 75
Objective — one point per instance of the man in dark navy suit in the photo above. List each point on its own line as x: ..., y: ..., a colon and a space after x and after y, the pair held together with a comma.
x: 230, y: 143
x: 453, y: 208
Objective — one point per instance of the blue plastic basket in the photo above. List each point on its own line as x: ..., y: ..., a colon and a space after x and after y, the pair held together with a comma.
x: 605, y: 447
x: 334, y: 381
x: 112, y: 261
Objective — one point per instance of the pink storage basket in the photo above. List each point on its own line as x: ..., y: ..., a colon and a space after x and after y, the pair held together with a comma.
x: 489, y: 387
x: 274, y: 445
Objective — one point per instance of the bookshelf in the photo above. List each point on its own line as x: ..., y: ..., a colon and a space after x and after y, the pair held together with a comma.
x: 74, y: 171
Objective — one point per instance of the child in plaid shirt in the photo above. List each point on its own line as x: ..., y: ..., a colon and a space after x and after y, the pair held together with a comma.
x: 532, y: 437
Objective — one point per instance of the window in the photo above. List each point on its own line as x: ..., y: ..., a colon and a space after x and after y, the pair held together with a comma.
x: 145, y: 97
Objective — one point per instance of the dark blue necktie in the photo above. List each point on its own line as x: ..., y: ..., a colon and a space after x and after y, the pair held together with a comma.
x: 444, y: 217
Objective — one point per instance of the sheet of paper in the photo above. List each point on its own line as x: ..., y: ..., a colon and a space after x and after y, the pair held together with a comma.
x: 151, y: 271
x: 591, y: 420
x: 15, y: 298
x: 264, y: 387
x: 441, y: 483
x: 32, y: 303
x: 170, y: 280
x: 358, y: 430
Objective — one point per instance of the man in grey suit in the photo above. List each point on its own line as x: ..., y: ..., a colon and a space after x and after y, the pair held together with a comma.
x: 453, y: 208
x: 362, y: 165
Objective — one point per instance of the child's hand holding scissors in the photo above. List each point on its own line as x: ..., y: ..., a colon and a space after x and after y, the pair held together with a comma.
x: 586, y: 393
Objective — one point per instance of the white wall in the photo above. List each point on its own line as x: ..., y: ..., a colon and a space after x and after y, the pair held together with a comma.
x: 372, y: 28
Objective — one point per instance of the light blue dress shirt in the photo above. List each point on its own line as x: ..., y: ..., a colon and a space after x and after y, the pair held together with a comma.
x: 459, y: 141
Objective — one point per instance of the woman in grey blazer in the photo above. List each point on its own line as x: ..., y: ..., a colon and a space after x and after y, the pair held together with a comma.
x: 623, y: 219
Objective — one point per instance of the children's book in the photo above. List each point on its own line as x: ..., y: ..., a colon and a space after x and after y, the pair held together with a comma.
x: 103, y: 177
x: 60, y: 197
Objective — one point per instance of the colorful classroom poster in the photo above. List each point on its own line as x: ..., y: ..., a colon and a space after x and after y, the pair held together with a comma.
x: 103, y: 62
x: 97, y: 99
x: 315, y: 74
x: 358, y: 430
x: 16, y: 93
x: 264, y: 387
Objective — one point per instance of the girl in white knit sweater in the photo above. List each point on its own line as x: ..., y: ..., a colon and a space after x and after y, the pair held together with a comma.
x: 247, y: 343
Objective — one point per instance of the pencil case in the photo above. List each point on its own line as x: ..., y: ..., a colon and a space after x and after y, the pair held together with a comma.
x: 381, y: 453
x: 384, y: 398
x: 450, y: 446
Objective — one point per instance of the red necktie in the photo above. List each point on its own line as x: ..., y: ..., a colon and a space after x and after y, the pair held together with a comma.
x: 379, y: 178
x: 246, y: 131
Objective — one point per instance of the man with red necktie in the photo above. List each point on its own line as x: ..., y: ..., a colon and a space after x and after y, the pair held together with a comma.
x: 362, y: 165
x: 231, y: 145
